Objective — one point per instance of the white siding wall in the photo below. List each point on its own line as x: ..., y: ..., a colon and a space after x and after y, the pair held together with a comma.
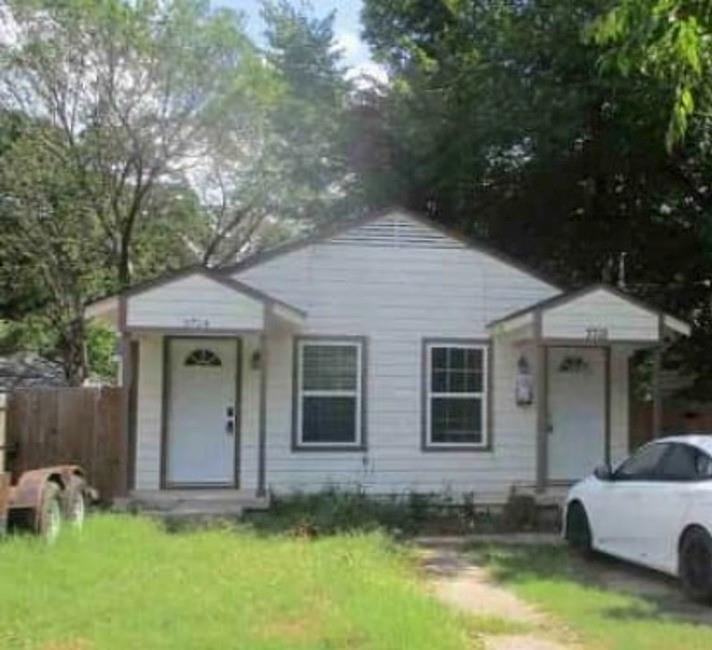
x: 396, y: 292
x: 394, y: 461
x: 148, y: 415
x: 395, y: 289
x: 194, y: 298
x: 250, y: 415
x: 600, y: 309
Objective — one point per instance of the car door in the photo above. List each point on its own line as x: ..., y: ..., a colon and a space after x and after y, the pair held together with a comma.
x: 683, y: 472
x: 624, y: 501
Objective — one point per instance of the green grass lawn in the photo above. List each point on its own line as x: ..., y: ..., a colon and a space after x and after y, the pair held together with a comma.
x: 125, y: 583
x: 571, y: 589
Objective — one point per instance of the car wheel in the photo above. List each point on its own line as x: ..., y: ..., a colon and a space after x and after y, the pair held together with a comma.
x: 48, y: 522
x: 74, y: 502
x: 696, y: 564
x: 578, y: 529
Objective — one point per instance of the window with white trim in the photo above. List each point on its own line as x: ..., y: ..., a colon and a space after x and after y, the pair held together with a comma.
x: 456, y: 395
x: 329, y: 393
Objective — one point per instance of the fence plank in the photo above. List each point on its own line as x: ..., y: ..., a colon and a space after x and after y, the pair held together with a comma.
x: 82, y: 426
x: 3, y: 420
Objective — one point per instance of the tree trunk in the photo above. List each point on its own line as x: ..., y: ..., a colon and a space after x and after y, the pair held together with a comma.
x: 72, y: 347
x: 123, y: 271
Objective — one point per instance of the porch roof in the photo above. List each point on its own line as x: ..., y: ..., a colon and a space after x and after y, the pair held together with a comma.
x: 195, y: 299
x: 594, y: 314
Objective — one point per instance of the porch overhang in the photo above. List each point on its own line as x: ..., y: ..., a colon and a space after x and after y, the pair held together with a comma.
x: 196, y: 301
x: 597, y: 315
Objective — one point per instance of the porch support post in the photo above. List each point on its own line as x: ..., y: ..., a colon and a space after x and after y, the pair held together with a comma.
x: 542, y: 406
x: 607, y: 403
x: 657, y: 399
x: 126, y: 386
x: 262, y: 446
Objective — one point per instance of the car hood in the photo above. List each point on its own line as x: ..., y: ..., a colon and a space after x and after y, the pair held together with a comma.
x: 583, y: 485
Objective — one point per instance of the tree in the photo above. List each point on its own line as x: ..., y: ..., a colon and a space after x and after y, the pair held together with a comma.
x: 296, y: 169
x: 311, y: 125
x: 139, y: 92
x: 47, y: 244
x: 667, y: 40
x: 506, y: 125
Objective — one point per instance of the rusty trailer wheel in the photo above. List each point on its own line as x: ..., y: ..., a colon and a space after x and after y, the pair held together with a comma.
x: 74, y: 502
x: 48, y: 519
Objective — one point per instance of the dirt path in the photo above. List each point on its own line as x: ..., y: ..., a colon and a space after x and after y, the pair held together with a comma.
x: 466, y: 586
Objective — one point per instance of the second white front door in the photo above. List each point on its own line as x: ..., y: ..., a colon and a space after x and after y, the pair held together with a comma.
x: 202, y: 411
x: 576, y: 412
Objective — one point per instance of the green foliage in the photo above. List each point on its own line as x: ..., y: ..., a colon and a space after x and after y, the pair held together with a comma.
x: 126, y: 583
x: 334, y: 511
x: 101, y: 352
x: 310, y: 123
x: 138, y: 137
x: 668, y: 40
x: 602, y: 603
x: 33, y: 333
x: 50, y: 244
x: 506, y: 125
x: 149, y: 91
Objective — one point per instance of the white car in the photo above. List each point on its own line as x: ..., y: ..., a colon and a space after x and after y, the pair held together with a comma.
x: 654, y: 509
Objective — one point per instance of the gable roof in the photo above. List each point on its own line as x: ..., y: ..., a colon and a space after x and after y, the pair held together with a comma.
x: 570, y: 296
x: 332, y: 229
x: 319, y: 235
x: 187, y: 271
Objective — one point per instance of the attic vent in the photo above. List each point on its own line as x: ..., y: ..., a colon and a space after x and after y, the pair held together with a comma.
x: 395, y: 232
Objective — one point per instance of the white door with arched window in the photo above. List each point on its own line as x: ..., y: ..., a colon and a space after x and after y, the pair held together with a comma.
x: 201, y: 412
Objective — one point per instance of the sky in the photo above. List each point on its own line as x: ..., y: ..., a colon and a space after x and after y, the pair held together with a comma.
x: 347, y: 29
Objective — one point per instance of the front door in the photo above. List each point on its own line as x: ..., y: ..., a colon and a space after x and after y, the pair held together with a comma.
x: 202, y: 411
x: 576, y: 412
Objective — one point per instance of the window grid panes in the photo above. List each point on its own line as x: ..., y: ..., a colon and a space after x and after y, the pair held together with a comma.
x: 329, y: 409
x: 456, y: 400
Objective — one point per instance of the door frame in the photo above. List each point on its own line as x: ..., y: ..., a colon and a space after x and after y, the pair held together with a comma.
x: 607, y: 411
x: 165, y: 404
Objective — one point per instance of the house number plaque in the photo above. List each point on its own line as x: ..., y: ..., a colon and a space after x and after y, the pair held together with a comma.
x: 596, y: 334
x: 196, y: 323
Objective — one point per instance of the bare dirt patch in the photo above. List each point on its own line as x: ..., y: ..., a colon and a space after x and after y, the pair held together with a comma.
x: 468, y: 587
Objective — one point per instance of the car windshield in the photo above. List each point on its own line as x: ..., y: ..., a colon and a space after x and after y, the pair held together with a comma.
x: 643, y: 464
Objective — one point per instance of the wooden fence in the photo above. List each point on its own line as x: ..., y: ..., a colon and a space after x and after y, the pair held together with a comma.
x: 678, y: 417
x: 3, y: 419
x: 81, y: 426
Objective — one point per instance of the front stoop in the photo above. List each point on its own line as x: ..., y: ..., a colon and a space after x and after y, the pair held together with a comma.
x: 193, y: 504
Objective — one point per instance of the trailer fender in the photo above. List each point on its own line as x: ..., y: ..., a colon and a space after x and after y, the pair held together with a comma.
x: 27, y: 493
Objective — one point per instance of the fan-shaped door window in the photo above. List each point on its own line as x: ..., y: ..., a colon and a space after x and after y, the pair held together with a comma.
x: 204, y: 358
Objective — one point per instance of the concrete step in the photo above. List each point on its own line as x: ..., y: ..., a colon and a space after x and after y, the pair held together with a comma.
x: 193, y: 503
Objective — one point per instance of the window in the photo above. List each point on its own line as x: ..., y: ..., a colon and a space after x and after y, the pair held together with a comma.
x: 329, y: 393
x: 685, y: 463
x: 643, y: 465
x: 203, y: 357
x: 456, y: 395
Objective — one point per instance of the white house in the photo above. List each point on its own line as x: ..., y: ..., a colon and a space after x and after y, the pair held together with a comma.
x: 384, y: 354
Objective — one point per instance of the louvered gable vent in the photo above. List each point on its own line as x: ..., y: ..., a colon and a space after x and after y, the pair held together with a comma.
x: 395, y: 231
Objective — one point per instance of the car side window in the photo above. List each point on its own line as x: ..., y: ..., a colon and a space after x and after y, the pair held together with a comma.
x: 703, y: 466
x: 642, y: 465
x: 682, y: 463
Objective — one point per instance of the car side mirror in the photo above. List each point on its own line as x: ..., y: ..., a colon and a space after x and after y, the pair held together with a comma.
x: 603, y: 473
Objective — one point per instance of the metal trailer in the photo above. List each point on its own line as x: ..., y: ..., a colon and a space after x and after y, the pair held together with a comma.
x: 39, y: 501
